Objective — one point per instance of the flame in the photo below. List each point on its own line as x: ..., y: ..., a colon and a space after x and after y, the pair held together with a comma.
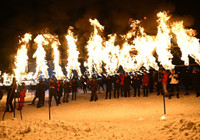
x: 94, y: 48
x: 73, y: 54
x: 163, y: 39
x: 111, y: 55
x: 21, y: 59
x: 40, y: 55
x: 54, y: 45
x: 138, y: 49
x: 189, y: 45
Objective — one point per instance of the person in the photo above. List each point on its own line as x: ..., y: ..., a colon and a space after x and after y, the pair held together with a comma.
x: 22, y: 91
x: 174, y: 83
x: 74, y: 88
x: 1, y: 94
x: 186, y: 81
x: 59, y: 90
x: 158, y: 82
x: 151, y: 80
x: 94, y: 87
x: 84, y: 84
x: 66, y: 87
x: 41, y: 93
x: 127, y: 84
x: 165, y: 81
x: 10, y: 96
x: 196, y: 81
x: 136, y: 84
x: 121, y: 76
x: 36, y: 93
x: 108, y: 87
x: 116, y: 86
x: 101, y: 82
x: 52, y: 91
x: 145, y: 83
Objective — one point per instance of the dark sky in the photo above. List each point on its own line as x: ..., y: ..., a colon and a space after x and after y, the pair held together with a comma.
x: 21, y: 16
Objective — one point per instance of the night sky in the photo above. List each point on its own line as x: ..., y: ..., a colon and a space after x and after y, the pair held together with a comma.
x: 55, y: 16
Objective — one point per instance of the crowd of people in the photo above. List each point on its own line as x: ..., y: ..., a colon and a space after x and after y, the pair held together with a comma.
x: 163, y: 82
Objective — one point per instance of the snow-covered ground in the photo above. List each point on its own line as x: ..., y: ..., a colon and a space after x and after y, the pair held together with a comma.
x: 123, y: 118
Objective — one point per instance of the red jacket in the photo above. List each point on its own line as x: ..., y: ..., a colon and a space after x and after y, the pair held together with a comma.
x: 145, y: 81
x: 121, y: 76
x: 165, y: 77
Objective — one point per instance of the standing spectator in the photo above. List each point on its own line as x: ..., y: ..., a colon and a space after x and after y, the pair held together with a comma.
x: 121, y: 76
x: 41, y: 93
x: 84, y: 84
x: 59, y: 90
x: 151, y: 81
x: 101, y: 82
x: 52, y: 91
x: 145, y: 83
x: 116, y: 86
x: 196, y: 81
x: 1, y: 94
x: 174, y: 83
x: 74, y: 88
x: 108, y: 87
x: 186, y: 81
x: 37, y: 92
x: 10, y: 96
x: 158, y: 82
x: 94, y: 87
x: 165, y: 81
x: 136, y: 85
x: 66, y: 87
x: 127, y: 84
x: 22, y: 90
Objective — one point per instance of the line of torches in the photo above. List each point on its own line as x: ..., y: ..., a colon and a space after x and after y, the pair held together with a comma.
x: 106, y: 54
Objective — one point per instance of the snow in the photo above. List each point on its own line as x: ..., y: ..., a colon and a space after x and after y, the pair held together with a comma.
x: 123, y: 118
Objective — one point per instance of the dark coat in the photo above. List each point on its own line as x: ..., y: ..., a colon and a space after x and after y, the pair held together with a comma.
x: 74, y: 86
x: 127, y: 81
x: 136, y: 82
x: 108, y: 84
x: 66, y: 87
x: 94, y: 85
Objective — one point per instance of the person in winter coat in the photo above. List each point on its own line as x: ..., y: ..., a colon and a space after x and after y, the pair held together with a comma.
x: 196, y: 81
x: 121, y: 76
x: 22, y: 90
x: 165, y: 81
x: 94, y: 88
x: 136, y: 84
x: 10, y: 96
x: 52, y: 91
x: 108, y: 87
x: 158, y: 82
x: 117, y: 81
x: 74, y: 88
x: 174, y: 83
x: 127, y: 84
x: 145, y: 83
x: 41, y: 93
x: 59, y: 90
x: 1, y: 94
x: 66, y: 87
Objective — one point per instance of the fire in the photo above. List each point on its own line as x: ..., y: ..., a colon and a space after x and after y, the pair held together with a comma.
x: 111, y: 55
x: 54, y: 45
x: 94, y: 48
x: 40, y: 55
x: 138, y: 49
x: 163, y: 39
x: 21, y: 59
x: 189, y: 45
x: 73, y: 54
